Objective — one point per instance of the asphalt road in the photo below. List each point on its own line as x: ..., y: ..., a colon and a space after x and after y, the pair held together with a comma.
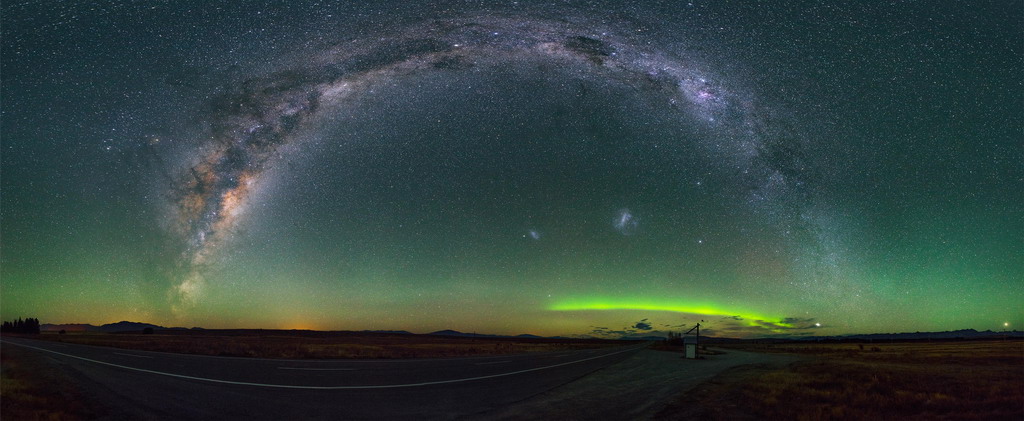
x: 152, y: 385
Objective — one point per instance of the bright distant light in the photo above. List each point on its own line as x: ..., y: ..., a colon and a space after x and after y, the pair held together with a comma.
x: 817, y: 325
x: 1006, y: 324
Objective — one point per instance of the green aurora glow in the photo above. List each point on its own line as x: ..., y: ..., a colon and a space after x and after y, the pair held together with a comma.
x: 677, y: 306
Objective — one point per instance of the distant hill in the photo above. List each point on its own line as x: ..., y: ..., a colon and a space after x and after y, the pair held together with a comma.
x: 950, y: 334
x: 906, y: 336
x: 642, y: 338
x: 122, y: 326
x: 126, y: 326
x: 449, y: 332
x: 70, y: 327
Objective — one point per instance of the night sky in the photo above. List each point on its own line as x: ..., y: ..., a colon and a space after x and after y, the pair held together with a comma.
x: 576, y: 168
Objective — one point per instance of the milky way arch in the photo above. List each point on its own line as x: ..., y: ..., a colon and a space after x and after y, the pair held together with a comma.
x: 252, y: 122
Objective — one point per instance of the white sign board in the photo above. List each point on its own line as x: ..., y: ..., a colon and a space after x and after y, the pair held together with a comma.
x: 691, y: 351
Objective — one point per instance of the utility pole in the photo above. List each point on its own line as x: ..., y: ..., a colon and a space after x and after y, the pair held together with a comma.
x: 696, y: 343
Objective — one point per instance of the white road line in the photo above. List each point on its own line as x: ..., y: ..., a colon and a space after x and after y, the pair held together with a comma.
x: 494, y: 362
x: 316, y: 369
x: 308, y: 361
x: 287, y: 386
x: 133, y: 355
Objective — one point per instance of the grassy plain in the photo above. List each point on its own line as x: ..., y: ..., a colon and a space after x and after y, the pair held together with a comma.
x: 981, y: 380
x: 297, y: 344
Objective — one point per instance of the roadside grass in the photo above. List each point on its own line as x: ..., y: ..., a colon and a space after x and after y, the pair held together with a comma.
x: 946, y: 380
x: 31, y: 389
x: 323, y: 345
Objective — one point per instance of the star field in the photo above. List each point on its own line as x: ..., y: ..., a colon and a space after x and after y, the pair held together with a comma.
x: 586, y: 168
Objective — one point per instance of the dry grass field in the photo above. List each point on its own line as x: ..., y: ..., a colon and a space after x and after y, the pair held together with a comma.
x: 322, y: 345
x: 981, y: 380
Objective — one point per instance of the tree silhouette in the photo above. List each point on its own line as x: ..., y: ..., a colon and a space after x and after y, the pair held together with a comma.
x: 28, y: 325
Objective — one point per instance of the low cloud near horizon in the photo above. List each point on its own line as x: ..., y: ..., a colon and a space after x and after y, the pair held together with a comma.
x: 642, y: 325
